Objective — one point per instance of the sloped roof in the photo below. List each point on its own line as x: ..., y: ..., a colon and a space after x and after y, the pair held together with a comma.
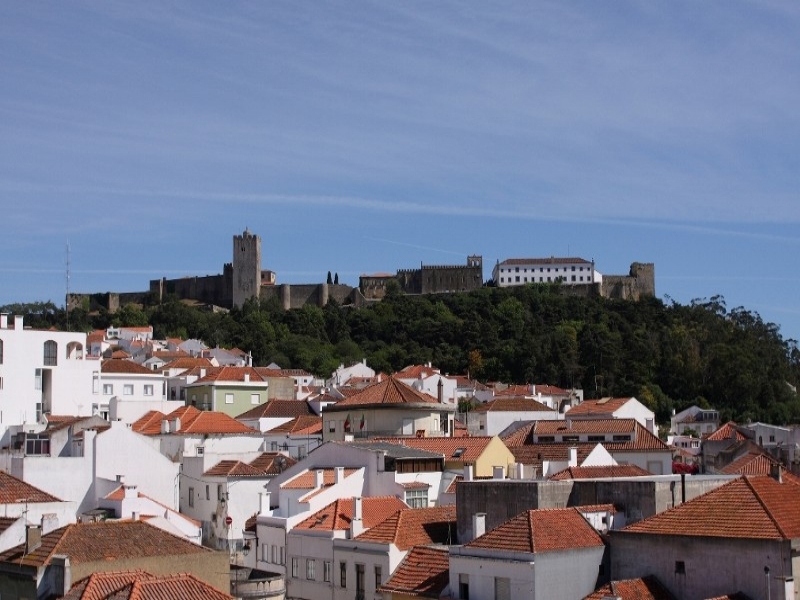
x: 416, y: 372
x: 103, y: 541
x: 752, y: 463
x: 306, y: 424
x: 728, y: 431
x: 390, y: 391
x: 272, y: 463
x: 603, y: 406
x: 512, y: 404
x: 587, y: 426
x: 644, y: 588
x: 193, y: 421
x: 338, y: 515
x: 543, y: 530
x: 423, y: 572
x: 464, y: 449
x: 753, y: 507
x: 229, y: 374
x: 140, y: 585
x: 307, y: 479
x: 598, y: 472
x: 188, y: 362
x: 553, y: 260
x: 279, y: 408
x: 124, y: 367
x: 14, y: 491
x: 415, y: 527
x: 233, y: 468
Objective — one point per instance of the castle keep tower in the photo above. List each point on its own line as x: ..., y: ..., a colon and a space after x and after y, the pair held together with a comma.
x: 246, y: 267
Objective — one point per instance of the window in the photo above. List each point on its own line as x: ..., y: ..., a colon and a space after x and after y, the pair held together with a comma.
x: 310, y: 565
x: 208, y: 492
x: 570, y: 438
x: 274, y: 554
x: 37, y: 444
x: 219, y: 491
x: 283, y: 554
x: 127, y: 389
x: 516, y: 279
x: 37, y: 381
x: 50, y: 353
x: 1, y: 352
x: 597, y: 438
x: 543, y: 439
x: 417, y: 498
x: 148, y: 390
x: 680, y: 567
x: 463, y: 586
x: 622, y: 438
x: 326, y: 571
x: 228, y: 399
x: 378, y: 577
x: 295, y: 566
x: 108, y: 389
x: 772, y: 438
x: 1, y: 383
x: 459, y: 452
x: 331, y: 426
x: 343, y: 574
x: 191, y: 496
x: 359, y: 581
x: 502, y: 588
x: 255, y: 398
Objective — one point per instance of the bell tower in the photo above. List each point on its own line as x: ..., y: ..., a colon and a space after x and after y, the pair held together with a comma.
x: 246, y: 267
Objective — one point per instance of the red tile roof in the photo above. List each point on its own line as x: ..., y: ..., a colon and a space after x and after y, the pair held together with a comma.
x: 233, y: 468
x: 728, y: 431
x: 756, y: 507
x: 272, y: 463
x: 416, y: 372
x: 752, y: 463
x: 512, y: 404
x: 391, y: 391
x: 188, y: 362
x: 415, y: 527
x: 471, y: 448
x: 105, y: 540
x: 127, y: 367
x: 543, y: 530
x: 230, y: 374
x: 338, y: 515
x: 279, y: 408
x: 423, y: 572
x: 645, y: 588
x: 603, y: 406
x: 307, y: 479
x: 15, y: 491
x: 305, y: 425
x: 140, y: 585
x: 588, y: 426
x: 193, y: 422
x: 545, y: 261
x: 598, y: 472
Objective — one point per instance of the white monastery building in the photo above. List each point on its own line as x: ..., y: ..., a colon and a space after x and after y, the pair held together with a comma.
x: 569, y: 271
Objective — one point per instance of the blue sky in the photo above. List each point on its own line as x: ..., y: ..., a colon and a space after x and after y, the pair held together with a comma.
x: 364, y: 137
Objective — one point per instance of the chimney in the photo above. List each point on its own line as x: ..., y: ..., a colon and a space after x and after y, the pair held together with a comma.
x: 440, y: 391
x: 339, y: 474
x: 164, y: 426
x: 33, y: 538
x: 478, y: 525
x: 357, y: 524
x: 134, y: 515
x: 3, y: 320
x: 120, y: 478
x: 520, y: 470
x: 176, y: 425
x: 573, y: 457
x: 498, y: 472
x: 776, y: 472
x: 247, y: 377
x: 319, y: 479
x: 130, y: 491
x: 651, y: 426
x: 18, y: 322
x: 202, y: 373
x: 49, y: 523
x: 263, y: 503
x: 62, y: 574
x: 468, y: 472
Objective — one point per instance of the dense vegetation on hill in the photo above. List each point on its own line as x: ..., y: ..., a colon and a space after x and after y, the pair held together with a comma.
x: 667, y: 355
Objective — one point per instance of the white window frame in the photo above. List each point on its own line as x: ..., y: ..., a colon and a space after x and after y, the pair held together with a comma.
x: 148, y: 389
x: 228, y: 398
x: 127, y: 389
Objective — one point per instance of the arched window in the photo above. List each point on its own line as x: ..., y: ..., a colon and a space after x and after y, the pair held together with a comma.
x: 50, y: 353
x: 74, y: 350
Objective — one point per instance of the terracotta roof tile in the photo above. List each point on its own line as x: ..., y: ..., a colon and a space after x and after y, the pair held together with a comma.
x: 307, y: 424
x: 188, y: 362
x: 126, y: 367
x: 14, y: 491
x: 512, y: 404
x: 464, y: 449
x: 307, y: 479
x: 233, y: 468
x: 279, y: 408
x: 229, y: 374
x: 339, y: 514
x: 645, y: 588
x: 272, y: 463
x: 756, y: 507
x: 728, y: 431
x: 603, y: 406
x: 576, y: 427
x: 387, y: 392
x: 193, y: 421
x: 416, y: 372
x: 423, y: 572
x: 598, y: 472
x: 140, y: 585
x: 752, y: 463
x: 105, y: 540
x: 415, y: 527
x: 543, y: 530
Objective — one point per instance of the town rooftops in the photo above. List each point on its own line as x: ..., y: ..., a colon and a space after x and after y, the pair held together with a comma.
x: 394, y: 450
x: 140, y: 585
x: 307, y: 479
x: 543, y: 530
x: 229, y: 375
x: 753, y: 507
x: 601, y: 407
x: 303, y: 425
x: 338, y: 515
x: 14, y: 491
x: 423, y: 572
x: 752, y: 463
x: 190, y: 421
x: 104, y: 540
x: 124, y: 367
x: 511, y: 404
x: 415, y: 527
x: 387, y: 393
x: 185, y: 363
x: 529, y: 390
x: 728, y: 431
x: 416, y: 372
x: 463, y: 449
x: 267, y: 463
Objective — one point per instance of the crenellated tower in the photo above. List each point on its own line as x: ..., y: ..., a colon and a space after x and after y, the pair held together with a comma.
x: 246, y: 267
